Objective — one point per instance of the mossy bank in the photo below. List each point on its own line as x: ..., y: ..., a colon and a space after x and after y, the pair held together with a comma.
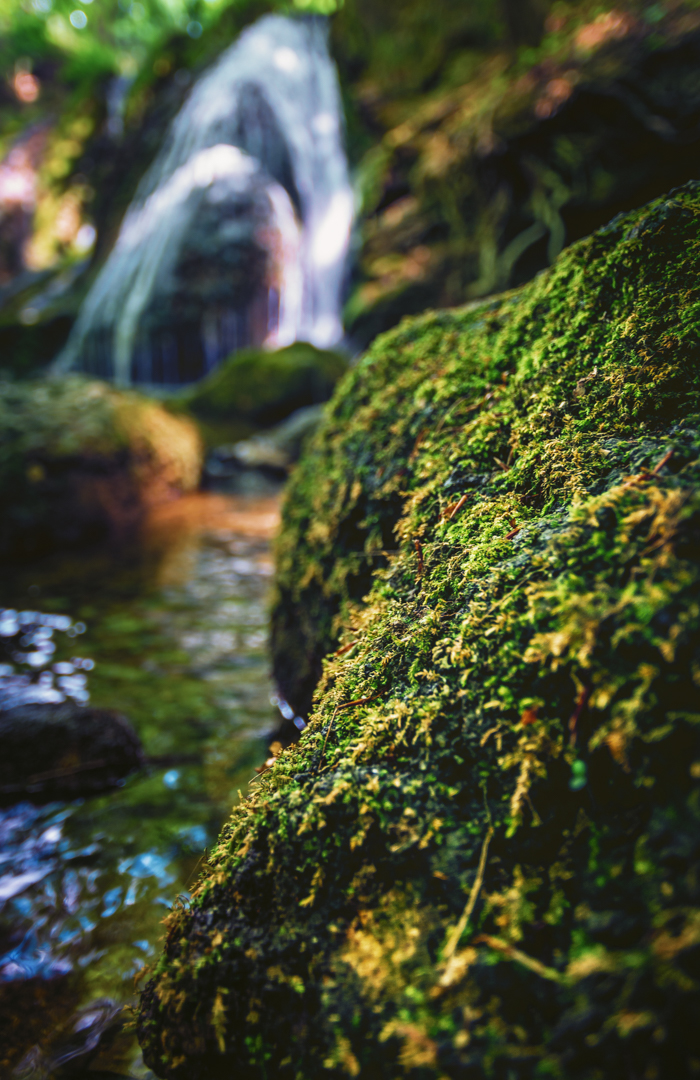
x: 482, y: 859
x: 81, y: 462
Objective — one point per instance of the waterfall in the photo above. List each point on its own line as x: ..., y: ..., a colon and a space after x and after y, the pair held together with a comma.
x: 239, y: 231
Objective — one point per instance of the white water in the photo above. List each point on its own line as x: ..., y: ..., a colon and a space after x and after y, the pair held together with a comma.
x: 265, y: 119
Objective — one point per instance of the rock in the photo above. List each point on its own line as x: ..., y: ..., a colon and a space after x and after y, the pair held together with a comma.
x: 475, y: 171
x: 64, y: 750
x: 482, y: 857
x: 264, y: 388
x: 81, y: 462
x: 276, y: 449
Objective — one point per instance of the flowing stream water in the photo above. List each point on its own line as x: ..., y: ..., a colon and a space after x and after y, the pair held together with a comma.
x: 254, y: 160
x: 177, y: 633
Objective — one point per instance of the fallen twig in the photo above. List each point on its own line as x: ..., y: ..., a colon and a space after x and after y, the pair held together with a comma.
x: 520, y: 957
x: 453, y: 940
x: 454, y: 508
x: 357, y: 701
x: 345, y: 648
x: 339, y: 708
x: 416, y: 446
x: 664, y: 461
x: 419, y: 551
x: 328, y: 731
x: 647, y: 474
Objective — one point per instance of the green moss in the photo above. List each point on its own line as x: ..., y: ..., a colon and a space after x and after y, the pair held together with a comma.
x: 81, y: 461
x: 263, y: 388
x: 482, y: 858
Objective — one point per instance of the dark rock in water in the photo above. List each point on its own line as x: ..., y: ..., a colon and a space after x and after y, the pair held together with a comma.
x: 60, y: 751
x: 213, y: 299
x: 481, y: 859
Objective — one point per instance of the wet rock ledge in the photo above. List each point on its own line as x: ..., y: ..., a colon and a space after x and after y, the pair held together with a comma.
x: 482, y: 858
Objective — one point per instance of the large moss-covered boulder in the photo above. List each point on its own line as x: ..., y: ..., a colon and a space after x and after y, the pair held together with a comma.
x: 482, y: 859
x: 81, y: 461
x: 261, y: 388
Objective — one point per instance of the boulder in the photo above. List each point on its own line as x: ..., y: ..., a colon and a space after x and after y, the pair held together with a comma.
x: 64, y: 750
x: 263, y: 388
x: 274, y: 450
x: 81, y: 462
x: 482, y: 857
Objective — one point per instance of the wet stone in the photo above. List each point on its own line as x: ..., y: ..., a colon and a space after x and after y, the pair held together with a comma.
x: 64, y: 750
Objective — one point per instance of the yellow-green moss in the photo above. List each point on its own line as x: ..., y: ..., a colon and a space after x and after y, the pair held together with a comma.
x: 482, y: 858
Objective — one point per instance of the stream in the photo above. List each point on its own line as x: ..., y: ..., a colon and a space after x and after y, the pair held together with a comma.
x: 177, y: 634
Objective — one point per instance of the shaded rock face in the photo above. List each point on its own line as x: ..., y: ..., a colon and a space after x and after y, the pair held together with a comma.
x: 61, y: 751
x: 82, y: 463
x: 478, y: 180
x: 210, y: 295
x: 482, y: 857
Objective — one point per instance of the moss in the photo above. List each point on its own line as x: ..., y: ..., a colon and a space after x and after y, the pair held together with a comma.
x: 482, y: 857
x: 263, y: 388
x: 81, y: 461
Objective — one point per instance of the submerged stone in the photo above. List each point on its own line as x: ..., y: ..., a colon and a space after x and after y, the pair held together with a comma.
x: 61, y: 751
x: 482, y: 857
x: 81, y: 462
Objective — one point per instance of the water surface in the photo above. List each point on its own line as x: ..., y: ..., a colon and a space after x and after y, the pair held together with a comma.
x: 177, y: 632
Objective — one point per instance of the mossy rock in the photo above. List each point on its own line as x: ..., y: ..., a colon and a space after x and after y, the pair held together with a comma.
x: 82, y: 462
x: 482, y: 858
x: 263, y: 388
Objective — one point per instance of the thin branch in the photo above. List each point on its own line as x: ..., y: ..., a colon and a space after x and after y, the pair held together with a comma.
x: 511, y: 953
x: 453, y: 940
x: 328, y: 731
x: 419, y: 551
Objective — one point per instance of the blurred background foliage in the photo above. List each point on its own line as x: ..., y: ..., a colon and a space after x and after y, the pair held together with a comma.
x: 484, y: 135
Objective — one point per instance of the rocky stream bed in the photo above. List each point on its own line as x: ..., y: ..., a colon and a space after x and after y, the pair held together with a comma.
x: 176, y: 634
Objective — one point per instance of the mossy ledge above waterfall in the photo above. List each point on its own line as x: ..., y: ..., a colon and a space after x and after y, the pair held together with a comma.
x: 81, y: 462
x: 482, y: 858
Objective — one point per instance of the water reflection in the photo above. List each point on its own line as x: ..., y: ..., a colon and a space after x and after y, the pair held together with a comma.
x: 177, y: 635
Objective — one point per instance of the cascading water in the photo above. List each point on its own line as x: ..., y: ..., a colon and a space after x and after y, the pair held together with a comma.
x: 239, y: 231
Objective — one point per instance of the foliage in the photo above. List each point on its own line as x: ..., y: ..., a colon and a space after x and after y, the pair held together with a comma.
x: 481, y: 859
